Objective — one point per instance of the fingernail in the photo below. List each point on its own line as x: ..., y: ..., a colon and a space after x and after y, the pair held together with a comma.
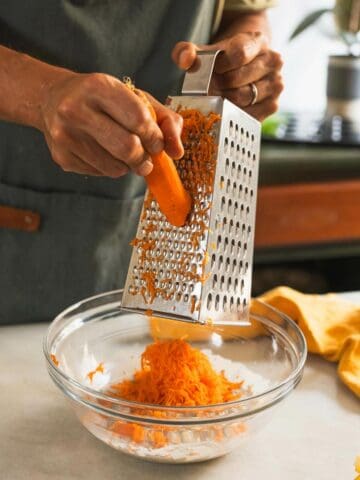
x: 145, y: 168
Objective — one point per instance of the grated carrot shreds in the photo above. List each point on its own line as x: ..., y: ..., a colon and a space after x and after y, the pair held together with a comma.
x: 99, y: 368
x: 173, y: 373
x: 54, y: 359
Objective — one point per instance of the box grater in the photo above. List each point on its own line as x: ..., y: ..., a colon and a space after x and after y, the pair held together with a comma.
x: 222, y: 260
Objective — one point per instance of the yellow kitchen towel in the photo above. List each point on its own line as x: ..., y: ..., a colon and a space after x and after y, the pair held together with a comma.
x: 330, y: 324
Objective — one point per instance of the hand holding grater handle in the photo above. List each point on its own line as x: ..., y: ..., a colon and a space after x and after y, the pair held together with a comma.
x: 210, y: 281
x: 197, y: 79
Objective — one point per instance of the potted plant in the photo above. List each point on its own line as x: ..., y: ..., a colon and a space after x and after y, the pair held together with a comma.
x: 343, y: 80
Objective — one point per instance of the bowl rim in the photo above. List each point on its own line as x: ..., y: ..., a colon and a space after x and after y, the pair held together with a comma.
x: 295, y: 373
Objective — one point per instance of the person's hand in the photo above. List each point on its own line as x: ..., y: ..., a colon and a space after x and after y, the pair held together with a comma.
x: 246, y: 59
x: 95, y: 125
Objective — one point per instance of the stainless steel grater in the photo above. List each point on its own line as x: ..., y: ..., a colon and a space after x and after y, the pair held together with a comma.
x: 224, y: 254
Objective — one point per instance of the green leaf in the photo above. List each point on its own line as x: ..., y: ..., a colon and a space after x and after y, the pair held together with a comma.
x: 308, y: 21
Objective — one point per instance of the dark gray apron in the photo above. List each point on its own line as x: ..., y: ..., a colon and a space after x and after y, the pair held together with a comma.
x: 82, y: 247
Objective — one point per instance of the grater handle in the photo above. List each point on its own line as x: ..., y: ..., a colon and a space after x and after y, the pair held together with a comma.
x: 197, y: 78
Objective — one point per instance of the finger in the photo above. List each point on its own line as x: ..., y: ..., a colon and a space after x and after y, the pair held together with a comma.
x: 125, y: 108
x: 270, y: 86
x: 184, y: 54
x: 239, y: 50
x: 120, y: 144
x: 262, y: 110
x: 69, y: 162
x: 171, y: 125
x: 93, y: 154
x: 261, y: 66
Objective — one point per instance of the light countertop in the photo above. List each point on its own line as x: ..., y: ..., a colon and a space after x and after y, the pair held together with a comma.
x: 314, y: 436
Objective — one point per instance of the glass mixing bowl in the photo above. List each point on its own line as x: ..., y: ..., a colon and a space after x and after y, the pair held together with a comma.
x: 95, y: 335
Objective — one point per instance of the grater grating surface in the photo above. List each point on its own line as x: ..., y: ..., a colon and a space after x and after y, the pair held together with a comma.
x: 209, y: 279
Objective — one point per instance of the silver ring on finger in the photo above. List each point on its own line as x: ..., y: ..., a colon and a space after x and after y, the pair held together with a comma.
x: 254, y: 94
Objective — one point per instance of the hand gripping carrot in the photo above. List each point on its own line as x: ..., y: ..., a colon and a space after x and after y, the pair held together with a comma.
x: 165, y: 184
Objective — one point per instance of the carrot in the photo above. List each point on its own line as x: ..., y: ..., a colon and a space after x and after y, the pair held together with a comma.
x: 173, y: 373
x: 99, y: 368
x: 200, y: 149
x: 165, y: 184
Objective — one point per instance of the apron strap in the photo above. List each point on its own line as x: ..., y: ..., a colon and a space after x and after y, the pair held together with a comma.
x: 19, y: 219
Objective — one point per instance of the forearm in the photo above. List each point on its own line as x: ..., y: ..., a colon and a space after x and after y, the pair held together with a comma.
x: 24, y: 84
x: 234, y: 22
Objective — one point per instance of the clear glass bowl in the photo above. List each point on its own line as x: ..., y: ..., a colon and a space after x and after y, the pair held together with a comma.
x: 268, y: 353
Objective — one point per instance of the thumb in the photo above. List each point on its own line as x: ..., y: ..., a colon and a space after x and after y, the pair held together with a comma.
x: 184, y: 54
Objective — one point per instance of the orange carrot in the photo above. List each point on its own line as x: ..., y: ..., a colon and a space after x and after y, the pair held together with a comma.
x: 54, y: 359
x: 173, y: 373
x: 99, y: 368
x: 165, y: 184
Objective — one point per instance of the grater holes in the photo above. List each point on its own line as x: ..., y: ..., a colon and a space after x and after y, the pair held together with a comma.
x: 227, y: 165
x: 233, y: 168
x: 223, y: 202
x: 213, y: 259
x: 238, y: 304
x: 214, y: 281
x: 217, y: 302
x: 224, y: 302
x: 209, y: 301
x: 226, y: 144
x: 227, y: 264
x: 232, y: 304
x: 229, y: 284
x: 222, y: 181
x: 241, y: 264
x: 231, y: 128
x: 234, y: 265
x: 222, y: 282
x: 218, y: 243
x: 220, y: 261
x: 252, y: 137
x: 186, y: 298
x: 242, y: 285
x: 228, y: 185
x: 254, y: 157
x: 239, y: 171
x: 231, y: 224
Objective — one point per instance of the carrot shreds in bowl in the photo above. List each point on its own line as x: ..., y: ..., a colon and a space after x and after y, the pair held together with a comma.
x: 173, y: 373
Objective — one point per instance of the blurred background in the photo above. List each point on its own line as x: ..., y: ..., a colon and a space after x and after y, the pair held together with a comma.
x: 306, y: 56
x: 308, y: 222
